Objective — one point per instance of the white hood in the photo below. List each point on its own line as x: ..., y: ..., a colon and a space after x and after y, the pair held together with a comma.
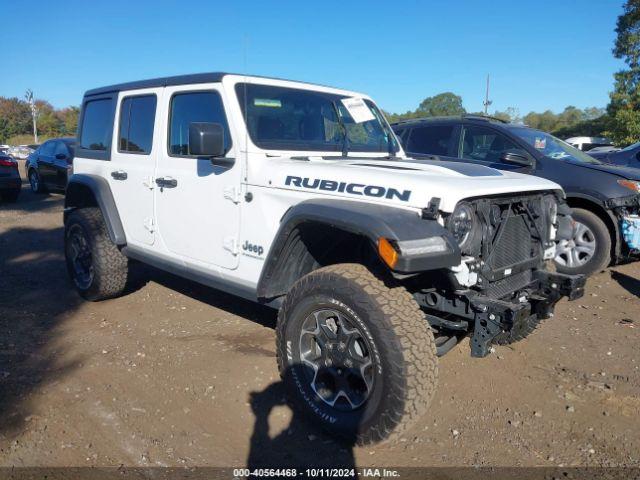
x: 407, y: 182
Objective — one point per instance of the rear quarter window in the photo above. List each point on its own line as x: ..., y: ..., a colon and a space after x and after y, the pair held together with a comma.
x: 96, y: 128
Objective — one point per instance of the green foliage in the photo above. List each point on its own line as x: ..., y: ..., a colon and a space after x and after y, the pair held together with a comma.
x: 624, y: 107
x: 16, y: 126
x: 443, y: 104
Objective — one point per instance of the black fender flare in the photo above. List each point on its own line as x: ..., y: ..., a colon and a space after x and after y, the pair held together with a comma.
x: 372, y: 221
x: 75, y: 197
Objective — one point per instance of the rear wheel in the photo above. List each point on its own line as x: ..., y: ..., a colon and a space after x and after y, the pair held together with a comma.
x: 96, y: 266
x: 588, y: 251
x: 356, y: 357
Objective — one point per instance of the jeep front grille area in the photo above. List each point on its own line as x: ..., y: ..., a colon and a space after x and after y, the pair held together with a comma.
x: 512, y: 244
x: 514, y: 233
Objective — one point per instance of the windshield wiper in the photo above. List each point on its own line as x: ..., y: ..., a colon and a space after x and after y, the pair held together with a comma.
x: 343, y: 127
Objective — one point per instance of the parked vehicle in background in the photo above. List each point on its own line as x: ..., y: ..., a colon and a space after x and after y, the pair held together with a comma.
x: 10, y: 181
x: 21, y: 152
x: 4, y: 149
x: 49, y: 166
x: 607, y: 149
x: 298, y: 196
x: 627, y: 157
x: 587, y: 143
x: 603, y: 197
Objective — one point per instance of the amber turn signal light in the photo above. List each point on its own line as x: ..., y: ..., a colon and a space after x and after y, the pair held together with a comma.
x: 387, y: 252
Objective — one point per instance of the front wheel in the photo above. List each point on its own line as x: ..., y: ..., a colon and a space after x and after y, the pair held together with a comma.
x: 356, y: 357
x: 588, y: 251
x: 35, y: 182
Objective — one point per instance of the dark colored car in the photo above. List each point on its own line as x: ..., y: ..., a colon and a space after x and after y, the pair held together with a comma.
x: 605, y: 198
x: 49, y: 165
x: 10, y: 181
x: 627, y: 157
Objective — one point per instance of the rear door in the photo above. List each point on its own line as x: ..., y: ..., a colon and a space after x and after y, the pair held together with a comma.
x: 438, y: 139
x: 133, y: 160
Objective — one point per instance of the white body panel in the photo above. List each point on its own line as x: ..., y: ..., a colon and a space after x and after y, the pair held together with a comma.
x: 197, y: 225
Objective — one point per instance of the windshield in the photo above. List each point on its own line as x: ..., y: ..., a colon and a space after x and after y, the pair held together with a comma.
x: 280, y: 118
x: 551, y: 146
x: 633, y: 146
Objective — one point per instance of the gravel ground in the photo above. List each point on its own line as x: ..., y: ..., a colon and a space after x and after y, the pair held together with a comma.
x: 177, y: 374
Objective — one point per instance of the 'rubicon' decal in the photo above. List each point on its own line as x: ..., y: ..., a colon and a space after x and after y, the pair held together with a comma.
x: 352, y: 188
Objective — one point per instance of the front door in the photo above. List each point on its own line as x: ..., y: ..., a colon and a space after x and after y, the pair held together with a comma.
x: 486, y: 146
x: 135, y: 150
x: 45, y: 163
x: 197, y: 203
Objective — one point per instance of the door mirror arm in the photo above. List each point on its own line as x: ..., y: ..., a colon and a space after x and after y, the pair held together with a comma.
x: 517, y: 159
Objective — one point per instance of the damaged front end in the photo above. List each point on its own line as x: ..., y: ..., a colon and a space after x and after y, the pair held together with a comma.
x: 501, y: 287
x: 626, y: 211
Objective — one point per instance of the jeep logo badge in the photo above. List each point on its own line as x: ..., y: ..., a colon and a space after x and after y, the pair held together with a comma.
x: 251, y: 248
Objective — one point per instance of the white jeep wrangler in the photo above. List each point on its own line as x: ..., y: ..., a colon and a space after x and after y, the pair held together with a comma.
x: 299, y: 196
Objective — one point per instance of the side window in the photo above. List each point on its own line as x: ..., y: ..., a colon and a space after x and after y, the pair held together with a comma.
x: 402, y: 135
x: 97, y: 123
x: 47, y: 149
x: 434, y: 140
x: 137, y: 117
x: 194, y: 107
x: 61, y: 148
x: 481, y: 143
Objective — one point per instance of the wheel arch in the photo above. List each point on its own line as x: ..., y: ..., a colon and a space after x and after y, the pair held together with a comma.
x: 84, y: 190
x: 596, y: 207
x: 320, y: 232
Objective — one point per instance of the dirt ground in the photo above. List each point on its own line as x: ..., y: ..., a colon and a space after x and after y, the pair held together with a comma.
x: 177, y: 374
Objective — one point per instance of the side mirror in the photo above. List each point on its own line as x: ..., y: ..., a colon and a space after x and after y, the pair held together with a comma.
x: 517, y: 159
x: 61, y: 156
x: 206, y: 139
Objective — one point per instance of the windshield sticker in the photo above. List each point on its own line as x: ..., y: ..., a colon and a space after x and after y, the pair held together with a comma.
x: 540, y: 143
x: 358, y: 110
x: 267, y: 102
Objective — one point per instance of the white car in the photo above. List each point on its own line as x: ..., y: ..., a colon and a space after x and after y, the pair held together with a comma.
x: 300, y: 197
x: 588, y: 143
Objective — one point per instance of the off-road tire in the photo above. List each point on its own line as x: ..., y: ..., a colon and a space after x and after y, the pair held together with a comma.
x: 406, y: 377
x: 109, y: 265
x: 602, y: 257
x: 36, y: 187
x: 10, y: 196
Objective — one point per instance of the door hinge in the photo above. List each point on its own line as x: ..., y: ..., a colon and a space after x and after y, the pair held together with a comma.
x: 233, y: 194
x: 149, y: 224
x: 231, y: 244
x: 149, y: 183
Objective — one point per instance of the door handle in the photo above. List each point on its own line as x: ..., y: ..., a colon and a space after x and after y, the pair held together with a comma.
x: 119, y: 175
x: 166, y: 182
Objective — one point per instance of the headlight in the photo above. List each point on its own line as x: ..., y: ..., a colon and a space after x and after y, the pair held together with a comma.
x: 630, y: 184
x: 461, y: 224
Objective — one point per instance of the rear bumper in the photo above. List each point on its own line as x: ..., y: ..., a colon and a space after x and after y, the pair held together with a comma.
x: 10, y: 183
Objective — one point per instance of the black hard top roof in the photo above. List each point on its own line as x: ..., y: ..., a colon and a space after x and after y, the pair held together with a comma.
x: 209, y: 77
x: 160, y: 82
x: 450, y: 119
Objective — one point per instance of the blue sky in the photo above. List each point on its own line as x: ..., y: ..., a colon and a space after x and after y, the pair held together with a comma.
x: 541, y: 55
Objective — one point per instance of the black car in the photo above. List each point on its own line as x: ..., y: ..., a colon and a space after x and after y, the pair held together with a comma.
x: 627, y: 157
x: 10, y: 181
x: 49, y: 165
x: 604, y: 198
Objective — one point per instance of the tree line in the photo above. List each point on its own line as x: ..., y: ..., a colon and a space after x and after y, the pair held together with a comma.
x: 570, y: 122
x: 16, y: 126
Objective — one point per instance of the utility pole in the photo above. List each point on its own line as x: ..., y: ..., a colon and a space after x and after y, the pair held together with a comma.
x: 487, y: 102
x: 34, y: 113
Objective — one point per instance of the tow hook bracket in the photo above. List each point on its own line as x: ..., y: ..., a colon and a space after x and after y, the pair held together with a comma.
x: 431, y: 211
